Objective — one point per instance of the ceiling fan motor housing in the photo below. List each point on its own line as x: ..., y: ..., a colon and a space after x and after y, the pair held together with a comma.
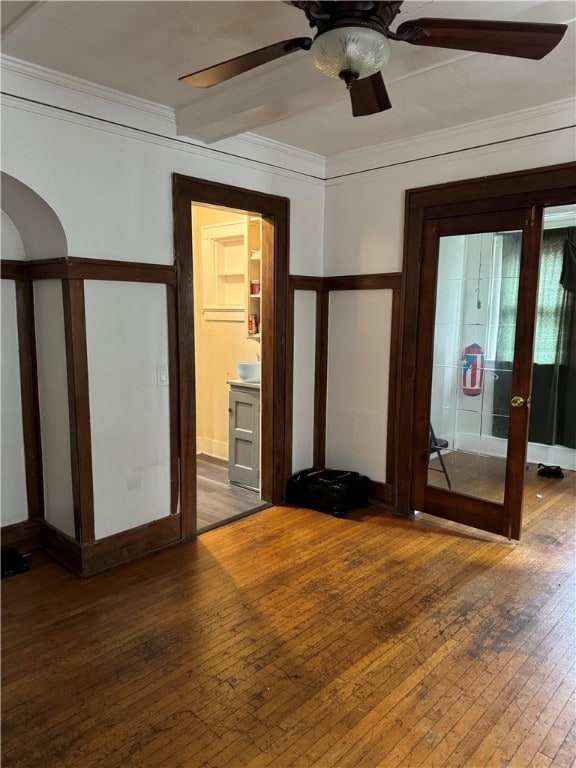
x: 352, y: 40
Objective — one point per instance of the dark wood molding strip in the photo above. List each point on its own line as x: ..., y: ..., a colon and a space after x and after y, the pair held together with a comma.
x: 548, y: 181
x: 12, y: 270
x: 25, y: 536
x: 381, y: 494
x: 182, y: 215
x: 305, y: 283
x: 128, y: 545
x: 392, y: 386
x: 289, y: 383
x: 100, y: 269
x: 406, y: 378
x: 321, y: 378
x: 172, y: 312
x: 384, y: 281
x: 61, y: 547
x: 79, y: 408
x: 29, y: 396
x: 379, y: 281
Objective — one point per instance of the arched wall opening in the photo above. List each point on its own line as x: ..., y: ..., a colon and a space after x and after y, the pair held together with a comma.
x: 35, y: 435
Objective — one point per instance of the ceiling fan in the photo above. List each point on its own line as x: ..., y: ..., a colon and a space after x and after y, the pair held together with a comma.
x: 352, y: 43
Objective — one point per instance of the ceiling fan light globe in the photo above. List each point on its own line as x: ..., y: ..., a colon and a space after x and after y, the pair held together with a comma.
x: 359, y: 49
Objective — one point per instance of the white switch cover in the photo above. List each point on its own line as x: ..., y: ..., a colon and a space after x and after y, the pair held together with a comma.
x: 162, y: 375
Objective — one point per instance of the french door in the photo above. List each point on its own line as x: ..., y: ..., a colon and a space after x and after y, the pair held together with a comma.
x: 475, y: 333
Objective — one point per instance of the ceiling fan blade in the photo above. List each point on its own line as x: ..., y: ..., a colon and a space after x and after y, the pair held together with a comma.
x: 369, y: 96
x: 507, y: 38
x: 206, y: 78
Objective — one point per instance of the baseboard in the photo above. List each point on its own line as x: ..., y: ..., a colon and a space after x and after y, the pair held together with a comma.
x: 90, y: 559
x: 381, y: 494
x: 61, y: 547
x: 128, y: 545
x: 24, y: 536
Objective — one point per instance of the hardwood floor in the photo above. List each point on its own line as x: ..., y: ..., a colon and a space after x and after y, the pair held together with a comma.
x: 471, y: 473
x: 217, y: 500
x: 292, y: 639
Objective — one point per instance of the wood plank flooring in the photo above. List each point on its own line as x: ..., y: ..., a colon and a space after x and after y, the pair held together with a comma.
x: 218, y: 500
x: 290, y: 639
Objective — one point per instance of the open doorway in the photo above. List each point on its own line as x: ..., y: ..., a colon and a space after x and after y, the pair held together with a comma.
x: 227, y: 255
x: 268, y: 214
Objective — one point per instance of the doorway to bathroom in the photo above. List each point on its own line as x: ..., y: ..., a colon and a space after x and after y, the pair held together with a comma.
x: 227, y: 255
x: 234, y: 349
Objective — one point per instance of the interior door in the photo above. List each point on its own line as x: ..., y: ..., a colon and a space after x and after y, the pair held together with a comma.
x: 479, y: 282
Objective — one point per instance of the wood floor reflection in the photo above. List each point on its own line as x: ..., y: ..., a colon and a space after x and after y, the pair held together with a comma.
x: 217, y: 500
x: 470, y: 473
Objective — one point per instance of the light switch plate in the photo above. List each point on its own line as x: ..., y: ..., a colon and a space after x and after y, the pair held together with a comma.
x: 162, y: 376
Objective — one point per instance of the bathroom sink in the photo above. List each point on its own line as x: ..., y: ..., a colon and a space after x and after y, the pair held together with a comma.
x: 249, y: 372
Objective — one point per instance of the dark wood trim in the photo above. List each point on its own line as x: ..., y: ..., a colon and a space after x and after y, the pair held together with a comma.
x: 522, y: 369
x: 29, y: 396
x: 396, y: 322
x: 47, y: 269
x: 128, y: 545
x: 440, y: 503
x: 383, y: 281
x: 61, y: 547
x: 182, y: 214
x: 381, y: 494
x: 90, y: 559
x: 172, y: 312
x: 79, y: 409
x: 25, y: 536
x: 101, y: 269
x: 289, y: 377
x: 553, y: 180
x: 406, y: 378
x: 305, y: 283
x: 12, y: 270
x: 276, y: 453
x: 321, y: 377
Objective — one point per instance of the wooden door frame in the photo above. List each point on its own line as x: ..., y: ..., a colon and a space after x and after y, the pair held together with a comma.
x: 546, y: 186
x: 276, y: 348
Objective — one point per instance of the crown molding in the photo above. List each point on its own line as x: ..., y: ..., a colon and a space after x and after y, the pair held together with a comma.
x: 44, y: 91
x: 271, y: 151
x: 73, y: 93
x: 236, y: 155
x: 514, y: 125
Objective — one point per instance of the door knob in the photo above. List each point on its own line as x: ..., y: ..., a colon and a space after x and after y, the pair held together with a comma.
x: 517, y: 401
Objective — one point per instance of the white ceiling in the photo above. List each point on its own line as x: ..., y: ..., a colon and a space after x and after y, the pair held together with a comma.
x: 141, y: 48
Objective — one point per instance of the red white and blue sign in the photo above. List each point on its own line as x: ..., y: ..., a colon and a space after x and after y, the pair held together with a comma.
x: 472, y: 362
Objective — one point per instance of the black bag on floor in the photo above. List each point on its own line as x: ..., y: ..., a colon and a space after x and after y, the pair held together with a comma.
x: 328, y: 490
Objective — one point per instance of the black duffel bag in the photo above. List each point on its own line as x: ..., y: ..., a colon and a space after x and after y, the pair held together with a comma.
x: 328, y: 490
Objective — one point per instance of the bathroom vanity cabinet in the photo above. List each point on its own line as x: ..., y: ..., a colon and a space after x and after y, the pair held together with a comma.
x: 244, y: 434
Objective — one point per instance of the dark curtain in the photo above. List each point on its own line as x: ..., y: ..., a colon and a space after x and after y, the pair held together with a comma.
x: 553, y: 412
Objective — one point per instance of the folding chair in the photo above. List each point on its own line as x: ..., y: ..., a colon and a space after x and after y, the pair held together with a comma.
x: 435, y: 446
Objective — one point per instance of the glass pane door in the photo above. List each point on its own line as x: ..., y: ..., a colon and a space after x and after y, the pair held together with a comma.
x: 475, y: 332
x: 472, y: 366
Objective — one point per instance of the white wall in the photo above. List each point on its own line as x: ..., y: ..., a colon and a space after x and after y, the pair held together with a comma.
x: 357, y: 397
x: 129, y: 410
x: 12, y: 245
x: 364, y: 234
x: 13, y: 496
x: 53, y: 400
x: 304, y: 373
